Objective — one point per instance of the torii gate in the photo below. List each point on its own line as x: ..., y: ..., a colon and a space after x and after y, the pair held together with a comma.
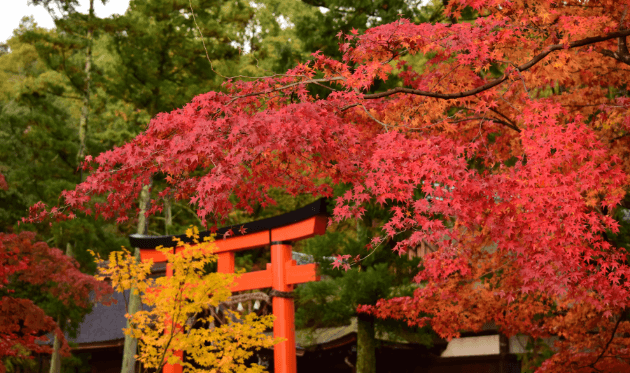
x: 281, y: 274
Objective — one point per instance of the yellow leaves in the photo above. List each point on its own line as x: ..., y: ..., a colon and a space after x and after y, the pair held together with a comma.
x: 231, y: 344
x: 124, y: 271
x: 192, y: 231
x: 174, y: 308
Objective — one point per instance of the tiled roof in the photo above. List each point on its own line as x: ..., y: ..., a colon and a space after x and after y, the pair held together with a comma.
x: 104, y: 323
x: 323, y: 336
x: 331, y: 337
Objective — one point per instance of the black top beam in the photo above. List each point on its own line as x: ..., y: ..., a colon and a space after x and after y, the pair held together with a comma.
x: 316, y: 208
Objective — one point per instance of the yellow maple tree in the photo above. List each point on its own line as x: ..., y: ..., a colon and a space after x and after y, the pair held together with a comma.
x: 173, y: 305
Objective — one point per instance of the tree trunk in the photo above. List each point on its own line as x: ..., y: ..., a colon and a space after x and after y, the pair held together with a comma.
x: 85, y: 110
x: 55, y: 359
x: 168, y: 216
x: 145, y: 198
x: 366, y: 345
x: 69, y: 250
x: 131, y: 344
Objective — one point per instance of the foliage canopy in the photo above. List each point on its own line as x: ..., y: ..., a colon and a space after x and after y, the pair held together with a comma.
x: 29, y: 267
x: 507, y: 151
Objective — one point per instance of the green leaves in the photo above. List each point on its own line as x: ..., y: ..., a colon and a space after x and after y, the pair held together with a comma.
x: 160, y: 57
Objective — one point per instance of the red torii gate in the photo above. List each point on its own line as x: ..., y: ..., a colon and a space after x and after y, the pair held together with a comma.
x: 281, y: 274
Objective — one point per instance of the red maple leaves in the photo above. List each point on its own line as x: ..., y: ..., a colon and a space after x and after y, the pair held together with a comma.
x: 23, y: 323
x: 3, y: 182
x: 507, y: 151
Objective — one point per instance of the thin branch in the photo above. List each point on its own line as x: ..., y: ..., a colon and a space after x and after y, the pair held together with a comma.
x: 496, y: 120
x: 623, y: 17
x: 612, y: 335
x: 212, y: 67
x: 524, y: 86
x: 445, y: 75
x: 376, y: 120
x: 349, y: 106
x: 185, y: 207
x: 619, y: 137
x: 512, y: 106
x: 494, y: 83
x: 450, y: 96
x: 202, y: 41
x: 506, y: 118
x: 162, y: 361
x: 325, y: 86
x: 619, y: 55
x: 314, y: 81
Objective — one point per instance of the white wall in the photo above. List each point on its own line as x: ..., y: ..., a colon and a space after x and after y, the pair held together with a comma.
x: 472, y: 346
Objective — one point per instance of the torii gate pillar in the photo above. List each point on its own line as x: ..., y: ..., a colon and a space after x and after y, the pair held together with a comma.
x: 283, y: 309
x: 281, y: 274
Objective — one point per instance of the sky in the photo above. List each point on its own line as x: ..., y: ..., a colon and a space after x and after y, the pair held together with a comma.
x: 13, y: 11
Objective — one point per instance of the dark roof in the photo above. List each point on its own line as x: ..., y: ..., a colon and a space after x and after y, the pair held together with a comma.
x: 316, y: 208
x: 104, y: 323
x: 158, y: 268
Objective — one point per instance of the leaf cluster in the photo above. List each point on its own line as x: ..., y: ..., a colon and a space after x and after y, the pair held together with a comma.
x: 39, y: 284
x: 173, y: 305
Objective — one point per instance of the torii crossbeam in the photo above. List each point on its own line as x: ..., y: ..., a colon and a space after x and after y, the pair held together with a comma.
x: 281, y: 274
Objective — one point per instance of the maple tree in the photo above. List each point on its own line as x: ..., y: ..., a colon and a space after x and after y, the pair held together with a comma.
x: 64, y: 292
x: 505, y: 147
x: 175, y: 305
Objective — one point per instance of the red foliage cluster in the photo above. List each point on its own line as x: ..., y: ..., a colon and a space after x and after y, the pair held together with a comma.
x: 507, y: 151
x: 3, y: 183
x: 23, y: 323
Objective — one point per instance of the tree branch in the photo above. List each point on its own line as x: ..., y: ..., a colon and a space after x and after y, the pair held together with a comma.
x: 612, y: 336
x: 494, y: 83
x: 324, y: 80
x: 619, y: 137
x: 506, y: 118
x: 490, y: 119
x: 621, y: 54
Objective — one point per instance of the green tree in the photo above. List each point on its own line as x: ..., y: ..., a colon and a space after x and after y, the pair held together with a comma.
x: 368, y: 277
x: 38, y: 147
x: 72, y: 24
x: 161, y: 58
x: 38, y: 157
x: 318, y: 30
